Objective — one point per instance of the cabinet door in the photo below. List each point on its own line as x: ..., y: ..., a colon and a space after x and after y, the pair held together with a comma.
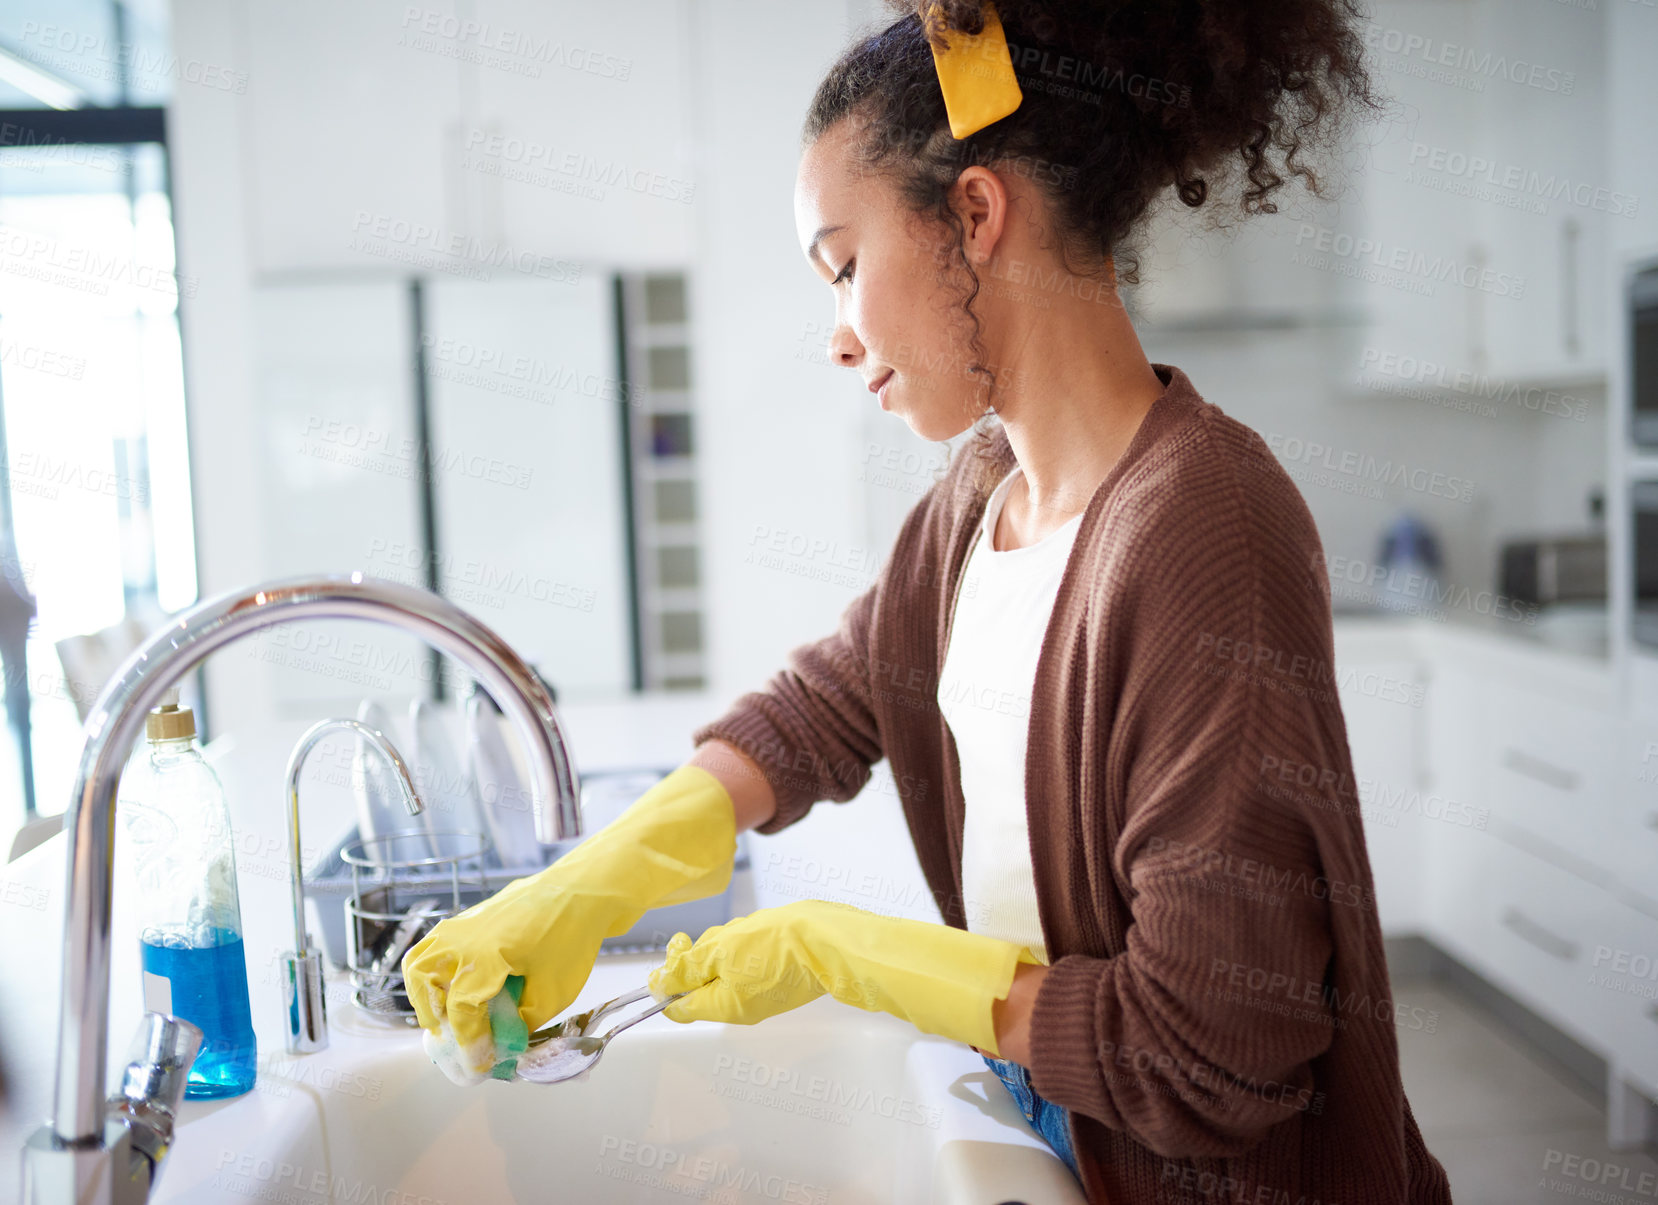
x: 1451, y: 755
x: 1403, y: 239
x: 580, y: 143
x: 334, y: 443
x: 351, y: 113
x: 1538, y: 187
x: 1623, y: 981
x: 1632, y: 125
x: 1624, y: 988
x: 1632, y: 835
x: 527, y: 476
x: 1382, y: 736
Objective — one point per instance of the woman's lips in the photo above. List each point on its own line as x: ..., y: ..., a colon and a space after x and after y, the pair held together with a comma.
x: 880, y: 388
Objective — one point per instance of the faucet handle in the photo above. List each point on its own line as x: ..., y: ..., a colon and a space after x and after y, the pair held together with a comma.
x: 153, y: 1084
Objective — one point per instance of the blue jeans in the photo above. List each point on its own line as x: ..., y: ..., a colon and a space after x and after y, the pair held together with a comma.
x: 1050, y: 1121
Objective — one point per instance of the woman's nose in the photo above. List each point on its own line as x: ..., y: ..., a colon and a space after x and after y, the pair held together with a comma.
x: 844, y: 348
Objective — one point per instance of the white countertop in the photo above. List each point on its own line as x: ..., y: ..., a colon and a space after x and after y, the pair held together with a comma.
x: 1564, y: 651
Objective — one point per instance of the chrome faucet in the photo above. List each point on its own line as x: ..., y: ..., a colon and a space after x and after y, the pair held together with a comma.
x: 91, y: 1153
x: 303, y: 998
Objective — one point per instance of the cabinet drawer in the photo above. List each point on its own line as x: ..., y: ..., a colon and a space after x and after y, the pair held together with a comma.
x: 1552, y: 771
x: 1623, y: 979
x: 1633, y: 837
x: 1527, y: 926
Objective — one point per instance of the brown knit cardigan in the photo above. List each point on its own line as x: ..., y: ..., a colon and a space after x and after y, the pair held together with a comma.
x: 1217, y: 1016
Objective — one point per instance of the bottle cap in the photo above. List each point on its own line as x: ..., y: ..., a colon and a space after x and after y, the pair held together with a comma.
x: 170, y: 722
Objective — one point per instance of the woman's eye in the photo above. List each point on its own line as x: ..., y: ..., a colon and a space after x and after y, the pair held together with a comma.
x: 846, y: 272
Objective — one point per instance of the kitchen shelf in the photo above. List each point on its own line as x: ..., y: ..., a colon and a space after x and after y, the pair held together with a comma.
x: 662, y: 395
x: 674, y: 535
x: 667, y: 468
x: 1224, y: 320
x: 675, y: 598
x: 676, y: 334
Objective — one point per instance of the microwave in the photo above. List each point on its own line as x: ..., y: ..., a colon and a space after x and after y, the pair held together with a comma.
x: 1644, y: 538
x: 1560, y: 569
x: 1643, y: 355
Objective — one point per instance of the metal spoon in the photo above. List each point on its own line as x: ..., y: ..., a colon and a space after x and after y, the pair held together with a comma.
x: 578, y: 1050
x: 578, y: 1024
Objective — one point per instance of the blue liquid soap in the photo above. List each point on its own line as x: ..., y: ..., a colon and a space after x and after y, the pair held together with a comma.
x: 210, y: 990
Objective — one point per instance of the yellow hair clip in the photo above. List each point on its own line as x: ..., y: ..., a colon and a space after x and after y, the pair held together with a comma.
x: 975, y: 72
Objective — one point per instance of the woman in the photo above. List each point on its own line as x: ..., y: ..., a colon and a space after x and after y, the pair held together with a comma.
x: 1098, y: 658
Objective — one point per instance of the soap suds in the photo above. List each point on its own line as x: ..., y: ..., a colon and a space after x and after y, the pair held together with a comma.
x: 493, y: 1057
x: 555, y: 1060
x: 457, y: 1064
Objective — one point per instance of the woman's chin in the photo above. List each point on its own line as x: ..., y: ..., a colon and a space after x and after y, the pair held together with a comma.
x: 934, y: 428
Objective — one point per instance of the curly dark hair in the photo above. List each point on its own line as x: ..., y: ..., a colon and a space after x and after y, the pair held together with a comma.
x: 1122, y: 100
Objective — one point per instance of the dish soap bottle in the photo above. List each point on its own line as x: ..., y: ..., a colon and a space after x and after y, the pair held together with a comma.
x: 178, y: 836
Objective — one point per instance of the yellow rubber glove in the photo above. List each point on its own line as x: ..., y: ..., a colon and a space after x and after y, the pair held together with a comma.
x: 941, y: 979
x: 673, y: 844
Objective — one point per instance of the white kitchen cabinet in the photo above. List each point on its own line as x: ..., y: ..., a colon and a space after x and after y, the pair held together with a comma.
x: 478, y: 142
x: 527, y: 480
x: 1633, y: 834
x: 333, y: 450
x: 581, y: 141
x: 1449, y: 754
x: 1382, y: 739
x: 1546, y: 198
x: 1400, y: 231
x: 1485, y: 209
x: 1622, y: 1004
x: 1450, y: 731
x: 526, y: 468
x: 1528, y: 926
x: 1537, y: 863
x: 347, y: 137
x: 1549, y: 767
x: 1631, y: 32
x: 1623, y: 989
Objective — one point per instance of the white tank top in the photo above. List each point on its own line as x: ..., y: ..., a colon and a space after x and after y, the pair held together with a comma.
x: 984, y: 690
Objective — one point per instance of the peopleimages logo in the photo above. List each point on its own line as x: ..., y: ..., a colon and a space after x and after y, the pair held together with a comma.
x: 1603, y: 1174
x: 1465, y: 58
x: 496, y: 45
x: 1546, y: 186
x: 682, y: 1173
x: 1363, y: 466
x: 1428, y: 268
x: 416, y: 242
x: 94, y: 56
x: 531, y: 155
x: 37, y: 256
x: 1412, y: 371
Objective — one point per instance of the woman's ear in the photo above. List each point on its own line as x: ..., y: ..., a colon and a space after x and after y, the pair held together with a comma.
x: 980, y: 200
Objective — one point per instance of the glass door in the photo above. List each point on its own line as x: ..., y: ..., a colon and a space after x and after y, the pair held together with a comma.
x: 96, y: 530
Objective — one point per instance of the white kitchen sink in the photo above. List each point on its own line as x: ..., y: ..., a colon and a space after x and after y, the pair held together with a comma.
x: 826, y: 1104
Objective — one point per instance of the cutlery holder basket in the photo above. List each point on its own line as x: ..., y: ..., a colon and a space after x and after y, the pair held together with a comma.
x: 399, y: 891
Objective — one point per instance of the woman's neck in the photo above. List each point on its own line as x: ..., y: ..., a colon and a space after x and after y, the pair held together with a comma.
x: 1074, y: 385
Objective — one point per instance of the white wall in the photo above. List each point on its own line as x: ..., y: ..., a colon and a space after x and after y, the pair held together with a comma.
x: 342, y: 115
x: 210, y: 207
x: 781, y: 430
